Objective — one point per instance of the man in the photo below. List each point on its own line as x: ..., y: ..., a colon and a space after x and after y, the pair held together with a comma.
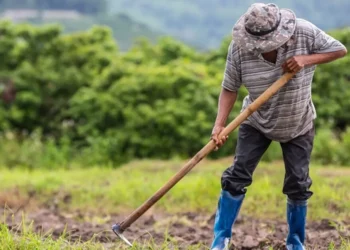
x: 268, y: 41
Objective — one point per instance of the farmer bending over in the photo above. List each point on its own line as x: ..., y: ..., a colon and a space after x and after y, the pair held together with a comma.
x: 268, y: 41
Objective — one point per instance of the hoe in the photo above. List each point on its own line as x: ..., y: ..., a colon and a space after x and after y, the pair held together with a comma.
x: 119, y: 228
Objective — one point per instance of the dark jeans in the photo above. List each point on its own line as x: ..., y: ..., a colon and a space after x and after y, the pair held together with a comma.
x: 252, y: 145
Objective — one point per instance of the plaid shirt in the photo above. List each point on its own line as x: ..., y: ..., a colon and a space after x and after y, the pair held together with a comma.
x: 290, y: 112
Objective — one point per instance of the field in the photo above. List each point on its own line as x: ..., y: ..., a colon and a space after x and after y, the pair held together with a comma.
x: 75, y: 209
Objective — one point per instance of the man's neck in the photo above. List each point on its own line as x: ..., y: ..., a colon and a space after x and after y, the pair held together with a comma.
x: 270, y: 56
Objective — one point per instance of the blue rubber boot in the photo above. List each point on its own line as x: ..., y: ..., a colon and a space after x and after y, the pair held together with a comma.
x: 296, y: 218
x: 226, y: 214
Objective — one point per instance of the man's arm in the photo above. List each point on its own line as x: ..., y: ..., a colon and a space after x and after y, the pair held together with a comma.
x: 296, y: 63
x: 230, y: 85
x: 226, y: 102
x: 323, y: 49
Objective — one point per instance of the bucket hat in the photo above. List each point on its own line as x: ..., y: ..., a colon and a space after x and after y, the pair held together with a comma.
x: 264, y: 28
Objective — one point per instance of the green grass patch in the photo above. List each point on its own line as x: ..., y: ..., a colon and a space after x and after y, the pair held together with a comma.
x: 29, y: 240
x: 24, y: 237
x: 106, y: 190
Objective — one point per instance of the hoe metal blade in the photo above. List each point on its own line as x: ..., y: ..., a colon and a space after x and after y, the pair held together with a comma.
x: 116, y: 229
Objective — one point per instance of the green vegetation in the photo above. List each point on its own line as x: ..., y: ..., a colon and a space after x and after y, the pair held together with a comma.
x: 125, y: 30
x: 200, y: 23
x: 92, y: 12
x: 104, y: 191
x: 205, y: 23
x: 86, y: 105
x: 31, y: 241
x: 109, y: 190
x: 80, y: 98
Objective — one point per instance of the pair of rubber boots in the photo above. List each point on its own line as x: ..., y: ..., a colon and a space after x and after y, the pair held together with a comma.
x: 228, y: 209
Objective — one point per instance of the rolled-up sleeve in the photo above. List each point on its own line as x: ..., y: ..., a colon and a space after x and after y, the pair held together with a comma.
x: 324, y: 43
x: 232, y: 75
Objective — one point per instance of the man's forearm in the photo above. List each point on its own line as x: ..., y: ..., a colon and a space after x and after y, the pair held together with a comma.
x: 315, y: 59
x: 225, y: 105
x: 296, y: 63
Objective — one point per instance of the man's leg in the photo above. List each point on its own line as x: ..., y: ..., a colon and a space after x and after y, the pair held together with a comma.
x: 251, y: 145
x: 297, y: 183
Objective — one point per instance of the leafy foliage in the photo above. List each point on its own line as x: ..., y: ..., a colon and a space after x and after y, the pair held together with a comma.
x: 94, y: 12
x: 125, y: 30
x: 153, y: 101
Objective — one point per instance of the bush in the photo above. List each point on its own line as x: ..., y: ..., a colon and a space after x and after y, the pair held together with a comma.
x: 152, y: 102
x: 326, y: 147
x: 33, y: 152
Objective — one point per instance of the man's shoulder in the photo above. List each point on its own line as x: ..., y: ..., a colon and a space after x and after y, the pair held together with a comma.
x: 233, y: 46
x: 304, y: 26
x: 234, y: 49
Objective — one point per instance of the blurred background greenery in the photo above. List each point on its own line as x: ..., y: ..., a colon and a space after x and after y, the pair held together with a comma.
x: 200, y: 23
x: 107, y: 81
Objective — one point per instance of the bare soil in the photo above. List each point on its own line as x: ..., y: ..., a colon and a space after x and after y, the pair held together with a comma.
x: 186, y: 229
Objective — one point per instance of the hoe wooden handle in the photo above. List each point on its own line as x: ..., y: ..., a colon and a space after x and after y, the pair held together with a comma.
x: 205, y: 151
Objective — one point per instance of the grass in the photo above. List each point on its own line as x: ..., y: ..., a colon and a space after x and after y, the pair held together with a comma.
x: 31, y: 241
x: 106, y: 190
x: 119, y: 191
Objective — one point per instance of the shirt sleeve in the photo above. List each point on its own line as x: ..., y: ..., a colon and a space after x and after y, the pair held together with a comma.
x: 232, y: 75
x: 324, y: 43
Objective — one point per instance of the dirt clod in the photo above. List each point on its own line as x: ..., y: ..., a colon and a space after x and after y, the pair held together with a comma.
x: 249, y: 242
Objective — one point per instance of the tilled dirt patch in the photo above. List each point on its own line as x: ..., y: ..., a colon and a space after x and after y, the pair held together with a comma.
x: 185, y: 229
